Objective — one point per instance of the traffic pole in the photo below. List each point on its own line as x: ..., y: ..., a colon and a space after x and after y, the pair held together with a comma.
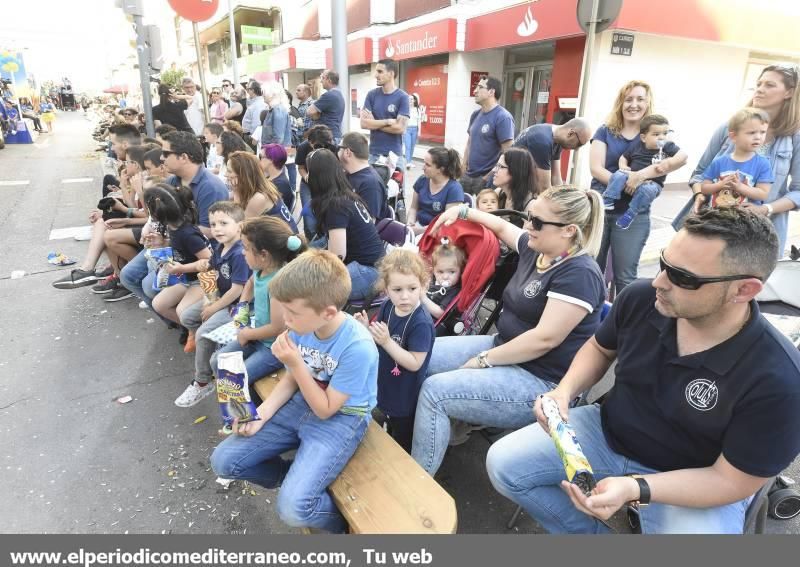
x: 202, y: 72
x: 339, y: 43
x: 144, y: 77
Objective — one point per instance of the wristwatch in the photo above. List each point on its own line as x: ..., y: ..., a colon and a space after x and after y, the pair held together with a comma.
x: 644, y: 491
x: 483, y: 359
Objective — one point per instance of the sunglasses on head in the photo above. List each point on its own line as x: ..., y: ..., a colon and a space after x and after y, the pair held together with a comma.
x: 787, y: 70
x: 687, y: 280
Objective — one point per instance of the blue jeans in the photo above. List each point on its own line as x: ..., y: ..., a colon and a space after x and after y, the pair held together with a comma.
x: 525, y: 467
x: 138, y: 278
x: 258, y: 359
x: 502, y: 396
x: 644, y: 196
x: 626, y: 247
x: 363, y: 280
x: 309, y: 221
x: 410, y: 141
x: 323, y: 449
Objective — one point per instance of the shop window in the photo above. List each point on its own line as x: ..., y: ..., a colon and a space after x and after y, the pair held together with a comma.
x: 219, y: 56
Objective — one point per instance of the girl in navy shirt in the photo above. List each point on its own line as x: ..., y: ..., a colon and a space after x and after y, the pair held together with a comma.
x: 403, y: 331
x: 437, y: 190
x: 173, y: 208
x: 343, y: 219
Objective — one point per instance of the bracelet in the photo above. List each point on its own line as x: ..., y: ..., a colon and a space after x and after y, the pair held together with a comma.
x: 129, y: 213
x: 463, y: 211
x: 769, y: 209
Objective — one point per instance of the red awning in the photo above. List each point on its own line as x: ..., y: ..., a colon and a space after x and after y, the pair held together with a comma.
x: 117, y: 89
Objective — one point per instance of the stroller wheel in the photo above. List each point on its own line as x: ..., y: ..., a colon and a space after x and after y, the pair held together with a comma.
x: 784, y: 504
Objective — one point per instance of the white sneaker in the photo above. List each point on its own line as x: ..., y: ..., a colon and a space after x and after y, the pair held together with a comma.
x: 193, y: 394
x: 84, y: 233
x: 142, y: 305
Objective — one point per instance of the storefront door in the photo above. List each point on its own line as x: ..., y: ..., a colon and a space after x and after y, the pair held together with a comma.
x: 526, y: 94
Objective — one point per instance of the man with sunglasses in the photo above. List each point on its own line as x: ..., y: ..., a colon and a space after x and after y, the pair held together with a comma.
x: 546, y: 143
x: 705, y: 406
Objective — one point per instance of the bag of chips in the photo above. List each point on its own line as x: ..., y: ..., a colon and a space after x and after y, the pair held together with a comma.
x: 157, y: 259
x: 233, y: 393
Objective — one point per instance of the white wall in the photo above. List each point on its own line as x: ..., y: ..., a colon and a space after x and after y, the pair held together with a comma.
x: 461, y: 102
x: 363, y: 83
x: 696, y: 85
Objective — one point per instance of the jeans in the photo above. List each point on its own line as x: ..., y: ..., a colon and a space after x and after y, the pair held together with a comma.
x: 258, y: 359
x: 525, y: 467
x: 502, y: 396
x: 309, y: 221
x: 363, y: 280
x: 323, y: 449
x: 204, y: 349
x: 138, y: 278
x: 410, y: 141
x: 644, y: 196
x: 626, y: 247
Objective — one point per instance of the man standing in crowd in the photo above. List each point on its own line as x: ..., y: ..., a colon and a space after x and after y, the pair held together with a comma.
x: 386, y: 113
x: 489, y: 134
x: 255, y: 104
x: 304, y: 101
x: 194, y: 114
x: 329, y: 108
x: 696, y: 422
x: 227, y: 89
x: 354, y: 155
x: 546, y: 142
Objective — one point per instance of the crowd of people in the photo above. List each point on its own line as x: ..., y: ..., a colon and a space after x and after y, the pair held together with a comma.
x: 695, y: 423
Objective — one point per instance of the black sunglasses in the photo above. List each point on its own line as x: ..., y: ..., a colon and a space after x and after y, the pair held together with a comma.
x: 527, y: 216
x: 687, y: 280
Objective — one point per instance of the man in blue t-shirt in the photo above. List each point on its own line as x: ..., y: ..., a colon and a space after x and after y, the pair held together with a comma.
x: 489, y: 134
x: 354, y: 155
x: 385, y: 113
x: 696, y: 422
x: 546, y: 142
x: 329, y: 108
x: 322, y: 405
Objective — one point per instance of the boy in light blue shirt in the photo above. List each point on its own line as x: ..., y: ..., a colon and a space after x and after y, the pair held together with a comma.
x: 321, y: 407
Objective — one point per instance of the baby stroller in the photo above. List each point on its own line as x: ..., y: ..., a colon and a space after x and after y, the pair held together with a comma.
x: 482, y: 250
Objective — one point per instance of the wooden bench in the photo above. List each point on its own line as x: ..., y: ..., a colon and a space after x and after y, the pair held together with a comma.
x: 382, y: 490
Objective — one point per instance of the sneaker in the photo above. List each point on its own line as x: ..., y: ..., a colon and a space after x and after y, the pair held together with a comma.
x: 76, y: 278
x: 118, y: 294
x: 190, y: 344
x: 608, y: 204
x: 143, y: 305
x: 108, y: 285
x: 624, y: 222
x: 104, y: 272
x: 184, y: 338
x: 193, y: 393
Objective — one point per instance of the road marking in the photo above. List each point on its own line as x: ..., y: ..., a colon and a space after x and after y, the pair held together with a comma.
x: 14, y: 183
x: 77, y: 180
x: 61, y: 233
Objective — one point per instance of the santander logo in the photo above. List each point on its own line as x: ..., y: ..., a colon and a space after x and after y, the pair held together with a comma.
x: 389, y: 50
x: 528, y: 25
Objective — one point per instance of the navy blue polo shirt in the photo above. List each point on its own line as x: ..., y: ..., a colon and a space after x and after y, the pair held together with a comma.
x: 488, y: 131
x: 383, y: 106
x: 187, y: 241
x: 538, y: 140
x: 740, y: 398
x: 397, y: 395
x: 430, y: 205
x: 281, y: 211
x: 577, y: 280
x: 207, y: 189
x: 284, y: 187
x: 331, y: 111
x: 369, y: 186
x: 231, y: 267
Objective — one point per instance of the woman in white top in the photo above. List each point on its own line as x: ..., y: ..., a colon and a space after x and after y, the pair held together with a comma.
x: 412, y: 129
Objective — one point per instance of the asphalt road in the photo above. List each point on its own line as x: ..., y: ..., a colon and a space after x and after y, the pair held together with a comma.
x: 76, y: 461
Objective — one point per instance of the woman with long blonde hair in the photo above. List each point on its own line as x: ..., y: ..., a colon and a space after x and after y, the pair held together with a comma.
x: 257, y: 195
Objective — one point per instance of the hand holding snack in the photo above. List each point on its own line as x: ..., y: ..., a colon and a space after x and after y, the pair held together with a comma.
x: 208, y: 281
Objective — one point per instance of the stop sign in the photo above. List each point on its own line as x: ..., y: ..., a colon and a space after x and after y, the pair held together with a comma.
x: 195, y: 10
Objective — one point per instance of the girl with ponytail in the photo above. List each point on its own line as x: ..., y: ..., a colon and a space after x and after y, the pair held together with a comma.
x: 437, y: 190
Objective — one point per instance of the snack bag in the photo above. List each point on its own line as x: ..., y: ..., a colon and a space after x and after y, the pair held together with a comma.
x: 208, y: 281
x: 233, y: 393
x: 157, y: 256
x: 241, y: 314
x: 579, y: 471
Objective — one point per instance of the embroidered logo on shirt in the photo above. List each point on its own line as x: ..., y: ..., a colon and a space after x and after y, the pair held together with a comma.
x: 391, y: 108
x: 287, y: 216
x: 225, y: 271
x: 485, y: 129
x: 437, y: 206
x: 702, y: 394
x: 532, y: 289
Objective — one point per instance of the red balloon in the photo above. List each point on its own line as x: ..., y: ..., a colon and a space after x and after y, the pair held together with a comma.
x: 195, y: 10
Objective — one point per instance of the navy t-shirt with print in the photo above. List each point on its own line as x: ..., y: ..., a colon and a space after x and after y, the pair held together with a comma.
x: 616, y: 145
x: 740, y: 398
x: 281, y: 211
x: 331, y: 109
x: 231, y: 267
x: 576, y: 280
x: 383, y: 106
x: 487, y: 132
x: 640, y: 156
x: 538, y: 140
x: 397, y: 395
x: 186, y: 242
x: 285, y: 189
x: 363, y: 243
x: 431, y: 206
x: 369, y: 186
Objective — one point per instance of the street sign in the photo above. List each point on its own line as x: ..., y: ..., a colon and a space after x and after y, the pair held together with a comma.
x: 195, y: 10
x: 255, y: 35
x: 607, y: 12
x: 622, y: 43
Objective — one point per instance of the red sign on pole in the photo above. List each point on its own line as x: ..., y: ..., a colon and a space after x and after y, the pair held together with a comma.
x: 195, y: 10
x: 430, y: 83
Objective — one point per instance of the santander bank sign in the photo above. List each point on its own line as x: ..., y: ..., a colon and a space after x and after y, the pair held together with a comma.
x: 437, y: 37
